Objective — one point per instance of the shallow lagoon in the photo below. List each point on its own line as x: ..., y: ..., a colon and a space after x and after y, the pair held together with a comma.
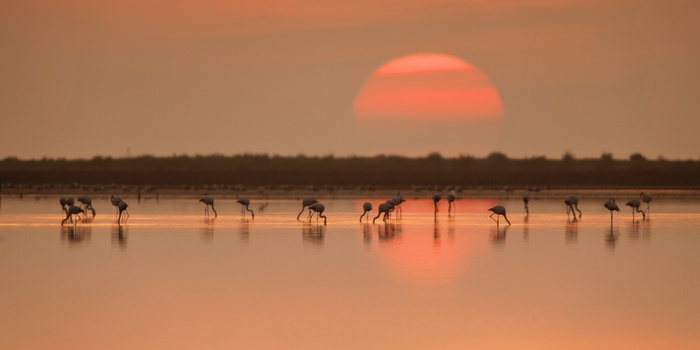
x: 170, y: 278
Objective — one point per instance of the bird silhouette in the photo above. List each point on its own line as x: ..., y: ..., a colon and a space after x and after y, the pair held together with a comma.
x: 646, y: 198
x: 63, y: 201
x: 70, y: 211
x: 436, y: 199
x: 317, y: 208
x: 574, y: 200
x: 115, y: 202
x: 451, y: 197
x: 209, y: 203
x: 383, y: 208
x: 396, y: 201
x: 526, y: 200
x: 122, y: 208
x: 610, y: 205
x: 367, y: 207
x: 498, y: 210
x: 245, y: 202
x: 569, y: 206
x: 87, y: 202
x: 306, y: 202
x: 634, y: 203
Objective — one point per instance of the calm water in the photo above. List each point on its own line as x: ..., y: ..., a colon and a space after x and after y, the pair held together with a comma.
x: 170, y: 278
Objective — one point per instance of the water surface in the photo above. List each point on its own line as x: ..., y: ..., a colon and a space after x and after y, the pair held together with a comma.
x: 171, y: 278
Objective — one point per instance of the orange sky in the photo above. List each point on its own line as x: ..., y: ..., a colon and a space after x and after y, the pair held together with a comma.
x: 85, y: 78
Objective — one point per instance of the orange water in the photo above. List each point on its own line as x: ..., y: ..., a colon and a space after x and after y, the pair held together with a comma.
x: 169, y: 278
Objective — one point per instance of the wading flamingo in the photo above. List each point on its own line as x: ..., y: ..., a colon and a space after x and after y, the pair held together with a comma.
x: 498, y: 210
x: 209, y: 203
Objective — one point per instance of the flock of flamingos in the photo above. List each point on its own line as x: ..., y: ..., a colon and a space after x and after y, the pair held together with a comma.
x: 314, y: 207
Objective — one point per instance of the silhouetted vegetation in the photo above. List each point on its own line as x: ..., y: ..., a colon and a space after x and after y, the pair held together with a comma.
x: 380, y: 171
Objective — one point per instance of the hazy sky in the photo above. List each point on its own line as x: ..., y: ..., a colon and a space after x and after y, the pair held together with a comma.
x: 80, y: 78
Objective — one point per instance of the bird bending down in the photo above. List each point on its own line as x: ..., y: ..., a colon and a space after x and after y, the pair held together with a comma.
x: 317, y: 208
x: 367, y: 207
x: 115, y: 202
x: 574, y: 201
x: 245, y: 202
x: 87, y: 202
x: 610, y: 205
x: 209, y: 203
x: 451, y: 197
x: 569, y: 206
x: 498, y: 210
x: 306, y: 202
x: 436, y: 199
x: 122, y: 208
x: 396, y: 201
x: 72, y: 210
x: 634, y: 203
x: 383, y: 208
x: 63, y: 201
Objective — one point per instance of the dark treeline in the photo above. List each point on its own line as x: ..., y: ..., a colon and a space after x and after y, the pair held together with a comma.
x: 387, y: 171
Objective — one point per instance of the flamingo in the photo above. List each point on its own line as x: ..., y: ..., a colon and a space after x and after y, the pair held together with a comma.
x: 63, y: 201
x: 397, y: 200
x: 367, y: 207
x: 383, y: 208
x: 245, y: 202
x: 526, y: 200
x: 122, y: 208
x: 392, y: 207
x: 87, y: 202
x: 451, y: 198
x: 209, y: 203
x: 574, y: 200
x: 305, y: 203
x: 646, y: 198
x: 115, y: 202
x: 569, y: 206
x: 318, y: 209
x: 634, y: 203
x: 72, y: 210
x: 498, y: 210
x: 610, y: 205
x: 436, y: 199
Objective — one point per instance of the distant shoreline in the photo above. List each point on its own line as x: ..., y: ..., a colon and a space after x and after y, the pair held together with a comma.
x: 385, y: 173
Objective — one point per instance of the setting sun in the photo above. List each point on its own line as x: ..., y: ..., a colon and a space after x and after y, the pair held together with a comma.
x: 428, y: 87
x: 428, y: 101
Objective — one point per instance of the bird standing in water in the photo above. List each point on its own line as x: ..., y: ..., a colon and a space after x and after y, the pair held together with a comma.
x: 526, y: 200
x: 72, y: 210
x: 122, y: 208
x: 115, y: 202
x: 436, y: 199
x: 574, y: 200
x: 451, y: 197
x: 610, y: 205
x: 306, y: 202
x: 209, y: 203
x: 317, y: 208
x: 383, y: 208
x: 646, y: 198
x: 87, y: 202
x: 367, y: 207
x: 245, y: 202
x: 634, y: 203
x: 498, y: 210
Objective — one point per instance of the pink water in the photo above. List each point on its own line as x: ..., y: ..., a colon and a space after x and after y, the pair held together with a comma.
x: 169, y: 278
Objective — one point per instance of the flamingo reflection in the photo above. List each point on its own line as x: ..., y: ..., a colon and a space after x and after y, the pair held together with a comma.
x: 498, y: 234
x: 313, y: 234
x: 119, y: 236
